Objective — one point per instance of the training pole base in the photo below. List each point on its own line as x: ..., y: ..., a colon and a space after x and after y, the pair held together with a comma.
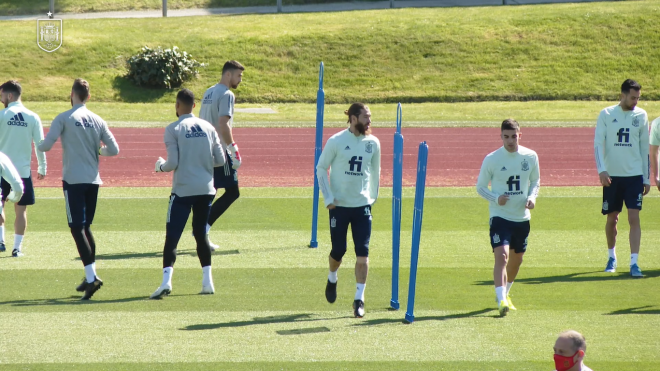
x: 410, y: 318
x: 313, y: 244
x: 394, y: 304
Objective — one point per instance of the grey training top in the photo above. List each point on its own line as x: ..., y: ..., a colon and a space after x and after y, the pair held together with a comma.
x: 82, y: 133
x: 193, y: 149
x: 218, y: 101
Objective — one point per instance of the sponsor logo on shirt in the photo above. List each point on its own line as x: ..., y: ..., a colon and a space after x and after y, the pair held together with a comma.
x: 84, y: 123
x: 356, y: 166
x: 195, y: 132
x: 513, y: 182
x: 17, y: 120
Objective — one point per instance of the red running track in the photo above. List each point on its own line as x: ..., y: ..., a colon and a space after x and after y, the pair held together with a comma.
x: 284, y: 157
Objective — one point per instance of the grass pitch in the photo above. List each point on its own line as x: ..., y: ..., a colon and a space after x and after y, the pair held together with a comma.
x: 269, y: 311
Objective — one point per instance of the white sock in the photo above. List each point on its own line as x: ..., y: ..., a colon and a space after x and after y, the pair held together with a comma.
x: 500, y: 291
x: 332, y: 276
x: 508, y: 288
x: 633, y: 259
x: 18, y: 241
x: 207, y: 277
x: 90, y: 273
x: 2, y: 234
x: 167, y: 276
x: 359, y: 293
x: 612, y: 253
x: 208, y: 228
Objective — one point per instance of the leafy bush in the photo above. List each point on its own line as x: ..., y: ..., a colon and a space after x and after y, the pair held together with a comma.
x: 158, y: 68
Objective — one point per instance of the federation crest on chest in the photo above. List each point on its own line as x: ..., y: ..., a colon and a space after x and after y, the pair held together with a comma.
x: 525, y: 165
x: 368, y: 147
x: 635, y: 122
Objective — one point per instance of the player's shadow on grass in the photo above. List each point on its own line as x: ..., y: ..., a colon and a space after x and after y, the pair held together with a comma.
x: 156, y: 254
x: 380, y: 321
x: 302, y: 317
x: 592, y: 276
x: 71, y: 300
x: 638, y: 310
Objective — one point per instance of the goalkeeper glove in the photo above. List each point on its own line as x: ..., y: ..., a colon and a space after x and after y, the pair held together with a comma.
x: 159, y: 164
x: 235, y: 156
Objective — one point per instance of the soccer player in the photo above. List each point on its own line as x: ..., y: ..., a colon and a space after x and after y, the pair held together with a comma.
x: 19, y: 128
x: 622, y: 157
x: 353, y: 156
x: 654, y: 151
x: 9, y: 173
x: 193, y: 150
x: 514, y: 177
x: 82, y: 133
x: 570, y: 349
x: 218, y: 109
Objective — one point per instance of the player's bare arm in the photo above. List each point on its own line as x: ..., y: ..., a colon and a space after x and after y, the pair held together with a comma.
x: 224, y: 130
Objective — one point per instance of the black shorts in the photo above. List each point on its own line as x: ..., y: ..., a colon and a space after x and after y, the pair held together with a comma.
x: 505, y: 232
x: 178, y: 212
x: 80, y: 201
x: 623, y: 188
x: 28, y: 191
x: 360, y: 220
x: 225, y: 176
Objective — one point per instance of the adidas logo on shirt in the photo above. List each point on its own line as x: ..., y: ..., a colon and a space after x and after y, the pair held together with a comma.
x: 196, y: 132
x: 17, y: 120
x: 84, y: 123
x: 347, y: 148
x: 615, y: 121
x: 503, y: 168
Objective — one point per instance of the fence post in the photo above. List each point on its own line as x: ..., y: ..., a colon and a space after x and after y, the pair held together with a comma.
x: 279, y: 6
x: 164, y: 8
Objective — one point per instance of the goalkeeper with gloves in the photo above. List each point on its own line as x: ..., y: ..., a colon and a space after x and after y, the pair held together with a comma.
x: 218, y: 109
x: 193, y: 150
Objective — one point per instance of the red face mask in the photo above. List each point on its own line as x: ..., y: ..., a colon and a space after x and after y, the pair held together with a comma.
x: 563, y: 363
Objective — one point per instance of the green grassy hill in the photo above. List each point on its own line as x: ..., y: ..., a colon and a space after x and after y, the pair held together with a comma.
x: 543, y: 52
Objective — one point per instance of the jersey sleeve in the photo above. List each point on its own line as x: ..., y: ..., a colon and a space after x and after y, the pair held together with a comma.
x: 10, y: 174
x: 226, y: 105
x: 111, y: 147
x: 54, y: 133
x: 37, y: 137
x: 654, y: 138
x: 172, y: 146
x: 644, y: 149
x: 600, y: 142
x: 327, y: 155
x: 534, y: 180
x: 485, y: 176
x: 374, y: 184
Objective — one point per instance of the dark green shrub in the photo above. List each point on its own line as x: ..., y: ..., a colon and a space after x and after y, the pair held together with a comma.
x: 158, y: 68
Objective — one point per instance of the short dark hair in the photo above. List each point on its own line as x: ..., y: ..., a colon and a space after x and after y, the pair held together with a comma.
x: 13, y: 87
x: 186, y: 97
x: 510, y: 124
x: 355, y: 110
x: 232, y: 66
x: 630, y: 84
x: 81, y: 89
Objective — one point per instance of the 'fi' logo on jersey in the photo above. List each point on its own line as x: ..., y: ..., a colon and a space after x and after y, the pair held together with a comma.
x: 496, y: 238
x: 333, y: 222
x: 635, y: 122
x: 525, y: 165
x: 368, y: 147
x: 606, y: 206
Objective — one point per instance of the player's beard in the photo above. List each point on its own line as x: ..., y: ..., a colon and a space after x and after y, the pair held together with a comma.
x: 71, y: 100
x: 362, y: 128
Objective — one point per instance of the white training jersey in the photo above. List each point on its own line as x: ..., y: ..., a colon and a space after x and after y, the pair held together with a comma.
x: 354, y: 164
x: 621, y: 144
x: 516, y: 175
x: 654, y: 138
x: 19, y: 128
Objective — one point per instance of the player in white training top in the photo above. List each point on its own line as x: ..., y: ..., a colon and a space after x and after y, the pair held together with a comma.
x: 514, y: 176
x: 621, y: 147
x: 353, y: 157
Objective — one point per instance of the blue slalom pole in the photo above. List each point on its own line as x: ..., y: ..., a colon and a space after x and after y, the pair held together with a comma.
x: 397, y: 185
x: 420, y: 187
x: 320, y: 105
